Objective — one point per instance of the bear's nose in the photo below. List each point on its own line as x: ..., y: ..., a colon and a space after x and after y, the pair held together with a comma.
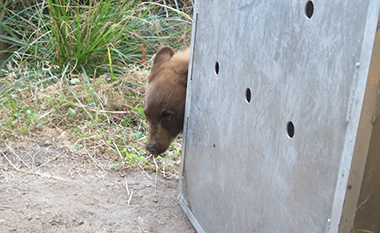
x: 151, y: 149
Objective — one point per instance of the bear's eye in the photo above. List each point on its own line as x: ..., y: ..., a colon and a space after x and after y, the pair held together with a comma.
x: 167, y: 116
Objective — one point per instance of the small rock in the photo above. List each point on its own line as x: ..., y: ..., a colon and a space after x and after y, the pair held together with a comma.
x: 47, y: 143
x: 103, y: 149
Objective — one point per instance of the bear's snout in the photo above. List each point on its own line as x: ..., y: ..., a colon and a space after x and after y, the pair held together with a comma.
x: 151, y: 149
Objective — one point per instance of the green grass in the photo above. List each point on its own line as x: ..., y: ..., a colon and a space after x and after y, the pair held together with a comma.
x: 96, y: 38
x: 78, y: 72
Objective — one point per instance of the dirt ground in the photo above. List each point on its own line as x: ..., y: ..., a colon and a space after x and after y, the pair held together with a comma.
x: 47, y: 188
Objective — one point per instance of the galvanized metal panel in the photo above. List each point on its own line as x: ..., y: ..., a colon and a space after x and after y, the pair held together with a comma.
x: 363, y: 215
x: 243, y: 168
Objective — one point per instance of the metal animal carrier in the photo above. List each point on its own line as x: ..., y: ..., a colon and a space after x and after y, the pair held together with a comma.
x: 282, y: 130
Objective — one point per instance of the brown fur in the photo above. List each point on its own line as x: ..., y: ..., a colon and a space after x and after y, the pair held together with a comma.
x: 165, y: 98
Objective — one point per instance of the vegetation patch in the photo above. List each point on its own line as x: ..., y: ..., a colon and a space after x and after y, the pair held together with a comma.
x: 75, y: 74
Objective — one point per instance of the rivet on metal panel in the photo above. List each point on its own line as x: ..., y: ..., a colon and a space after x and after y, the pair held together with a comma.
x: 290, y: 129
x: 309, y: 9
x: 357, y: 65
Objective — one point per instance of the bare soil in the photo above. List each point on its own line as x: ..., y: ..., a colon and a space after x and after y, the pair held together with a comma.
x: 47, y: 188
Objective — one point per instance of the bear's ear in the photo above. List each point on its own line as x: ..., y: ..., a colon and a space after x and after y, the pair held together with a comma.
x: 184, y: 77
x: 164, y: 54
x: 182, y: 71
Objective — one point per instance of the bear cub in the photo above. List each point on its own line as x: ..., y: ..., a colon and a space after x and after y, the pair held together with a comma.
x: 165, y: 98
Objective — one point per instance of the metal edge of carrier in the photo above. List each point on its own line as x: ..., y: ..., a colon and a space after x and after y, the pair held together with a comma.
x: 181, y: 200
